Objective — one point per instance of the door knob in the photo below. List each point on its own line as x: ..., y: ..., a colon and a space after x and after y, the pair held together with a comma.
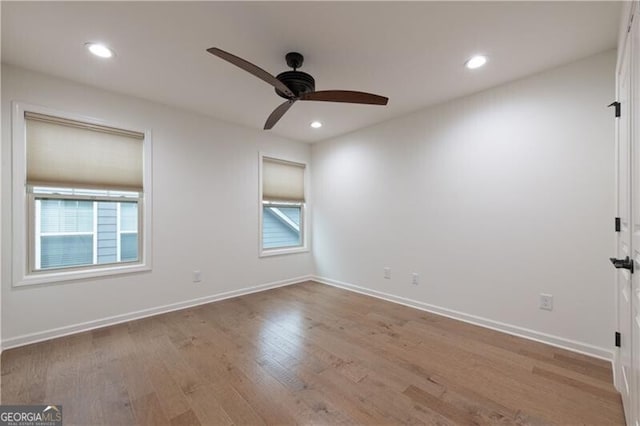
x: 625, y: 263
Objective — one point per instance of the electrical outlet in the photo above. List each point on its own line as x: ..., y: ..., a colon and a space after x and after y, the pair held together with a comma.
x: 546, y: 302
x: 197, y: 276
x: 414, y: 278
x: 387, y: 273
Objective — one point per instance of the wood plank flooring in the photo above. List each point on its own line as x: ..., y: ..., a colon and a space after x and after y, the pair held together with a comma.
x: 308, y: 354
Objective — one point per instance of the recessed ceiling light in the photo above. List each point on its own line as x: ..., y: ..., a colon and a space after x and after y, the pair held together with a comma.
x: 316, y: 124
x: 99, y: 49
x: 476, y: 62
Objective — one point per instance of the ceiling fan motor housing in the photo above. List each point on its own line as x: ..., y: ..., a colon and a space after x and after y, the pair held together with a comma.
x: 297, y: 81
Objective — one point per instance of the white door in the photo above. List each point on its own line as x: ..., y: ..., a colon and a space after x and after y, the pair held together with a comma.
x: 633, y: 401
x: 623, y: 276
x: 628, y: 238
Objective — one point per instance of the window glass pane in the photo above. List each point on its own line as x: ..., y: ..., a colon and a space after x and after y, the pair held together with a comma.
x: 80, y: 232
x: 281, y: 226
x: 69, y: 250
x: 129, y: 217
x: 66, y: 216
x: 129, y: 247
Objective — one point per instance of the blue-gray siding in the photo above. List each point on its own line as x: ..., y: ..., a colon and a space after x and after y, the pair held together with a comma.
x: 275, y: 232
x: 107, y: 232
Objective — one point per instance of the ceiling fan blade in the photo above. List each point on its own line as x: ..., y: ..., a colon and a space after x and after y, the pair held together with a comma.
x: 251, y: 69
x: 345, y: 96
x: 277, y: 114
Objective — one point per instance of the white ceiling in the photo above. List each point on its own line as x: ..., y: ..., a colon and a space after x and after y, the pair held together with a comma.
x: 412, y: 52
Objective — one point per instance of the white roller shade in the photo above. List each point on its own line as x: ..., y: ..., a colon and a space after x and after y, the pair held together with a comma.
x: 67, y: 153
x: 282, y: 181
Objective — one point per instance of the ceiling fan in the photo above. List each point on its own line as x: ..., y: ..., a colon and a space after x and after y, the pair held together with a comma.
x: 296, y: 85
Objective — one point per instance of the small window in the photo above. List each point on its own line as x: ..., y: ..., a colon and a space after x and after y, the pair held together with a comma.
x: 281, y: 225
x: 283, y: 207
x: 84, y: 187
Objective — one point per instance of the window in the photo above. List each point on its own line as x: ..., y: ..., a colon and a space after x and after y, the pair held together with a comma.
x: 78, y: 232
x: 282, y: 212
x: 85, y: 188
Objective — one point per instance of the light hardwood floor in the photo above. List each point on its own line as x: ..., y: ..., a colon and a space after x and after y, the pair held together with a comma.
x: 308, y: 353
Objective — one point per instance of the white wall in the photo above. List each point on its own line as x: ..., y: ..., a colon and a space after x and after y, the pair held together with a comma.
x: 492, y: 199
x: 205, y: 211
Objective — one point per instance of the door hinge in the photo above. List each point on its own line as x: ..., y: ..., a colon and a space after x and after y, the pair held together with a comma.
x: 615, y: 104
x: 617, y: 339
x: 617, y: 224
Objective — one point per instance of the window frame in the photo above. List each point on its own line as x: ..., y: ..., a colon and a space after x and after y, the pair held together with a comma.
x: 23, y: 209
x: 304, y: 212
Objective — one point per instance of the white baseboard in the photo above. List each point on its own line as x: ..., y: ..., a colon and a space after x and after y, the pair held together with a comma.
x: 557, y: 341
x: 549, y: 339
x: 614, y: 365
x: 53, y: 333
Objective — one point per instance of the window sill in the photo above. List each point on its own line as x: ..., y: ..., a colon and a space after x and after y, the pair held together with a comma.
x: 283, y: 251
x: 85, y: 274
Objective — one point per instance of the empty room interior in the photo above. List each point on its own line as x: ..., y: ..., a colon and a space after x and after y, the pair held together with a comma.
x: 247, y: 213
